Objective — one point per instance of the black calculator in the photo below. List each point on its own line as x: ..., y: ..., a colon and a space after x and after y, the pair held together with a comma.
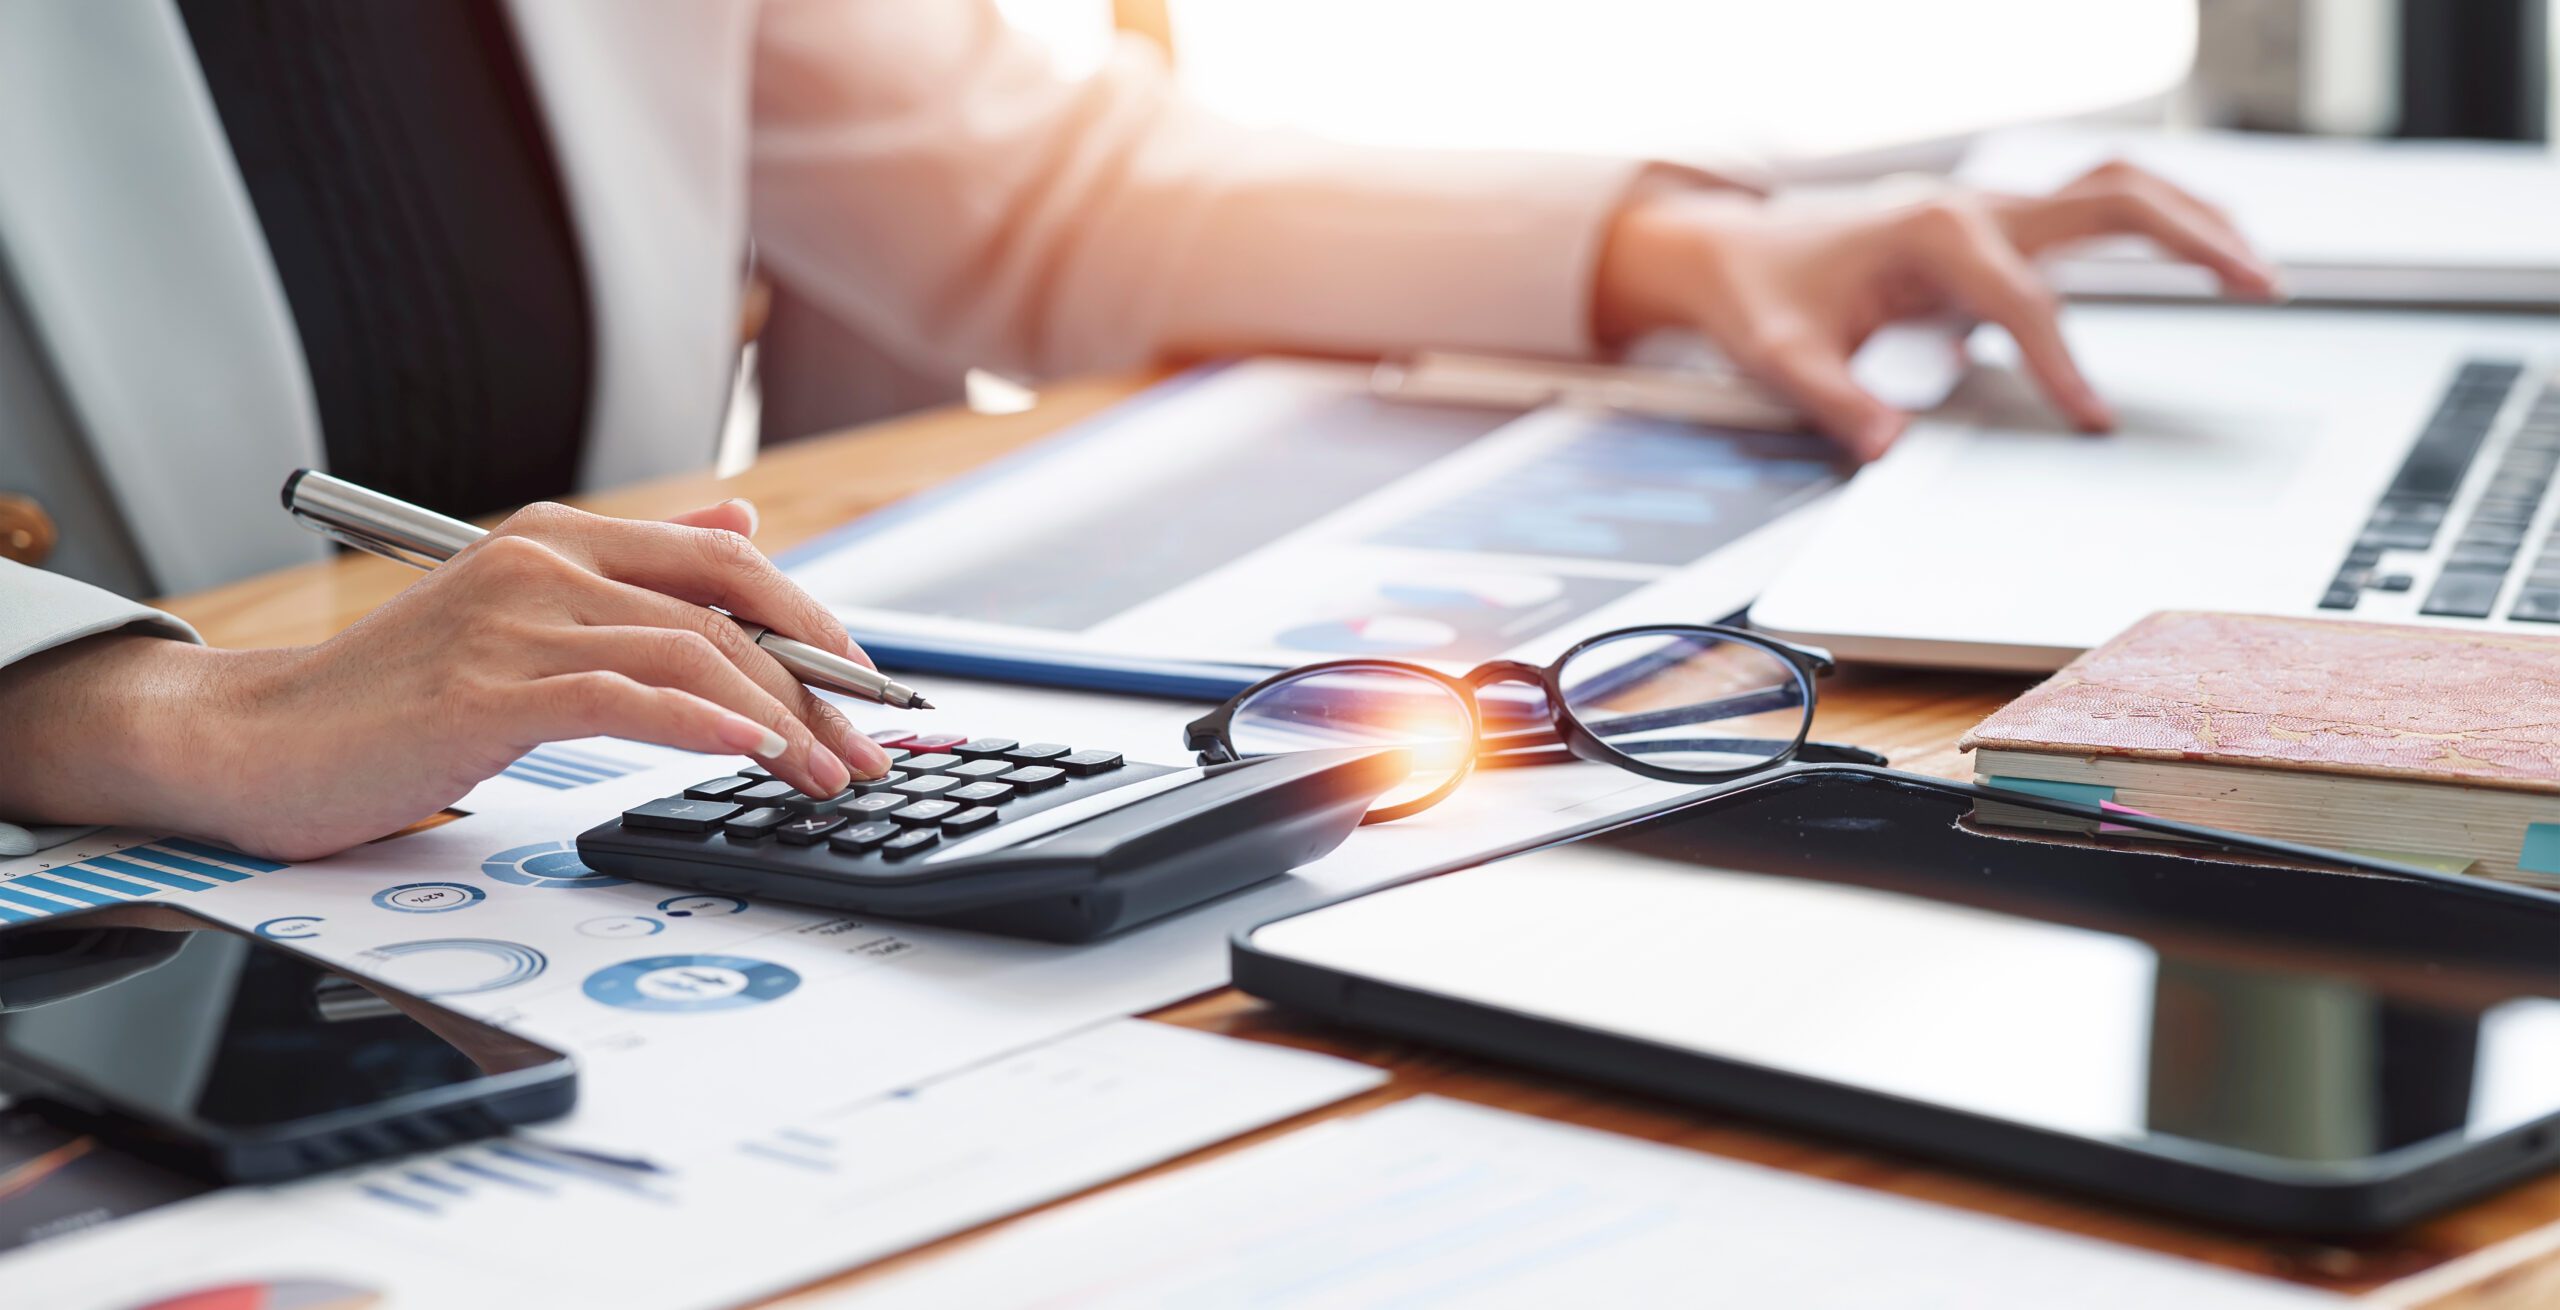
x: 1032, y: 839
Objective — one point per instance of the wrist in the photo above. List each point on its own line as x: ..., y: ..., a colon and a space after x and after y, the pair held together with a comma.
x: 128, y: 729
x: 1650, y: 258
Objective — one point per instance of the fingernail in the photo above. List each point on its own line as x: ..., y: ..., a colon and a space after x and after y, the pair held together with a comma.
x: 754, y: 519
x: 829, y: 772
x: 748, y: 737
x: 866, y: 757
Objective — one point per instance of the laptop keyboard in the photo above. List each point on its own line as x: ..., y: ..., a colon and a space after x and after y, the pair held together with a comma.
x: 2494, y: 540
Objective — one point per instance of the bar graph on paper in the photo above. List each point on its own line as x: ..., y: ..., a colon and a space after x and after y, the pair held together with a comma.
x: 125, y: 873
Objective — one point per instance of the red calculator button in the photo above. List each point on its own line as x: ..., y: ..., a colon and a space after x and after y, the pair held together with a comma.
x: 940, y: 741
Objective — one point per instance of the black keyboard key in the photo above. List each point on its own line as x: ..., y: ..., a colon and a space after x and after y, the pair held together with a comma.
x: 2393, y: 582
x: 923, y: 812
x: 806, y: 829
x: 1033, y: 777
x: 678, y: 814
x: 2459, y: 595
x: 873, y: 805
x: 2379, y: 537
x: 979, y: 748
x: 2537, y: 605
x: 931, y: 784
x: 980, y: 793
x: 717, y: 788
x: 2480, y: 559
x: 755, y: 824
x: 978, y: 769
x: 969, y: 820
x: 764, y: 793
x: 1085, y: 764
x: 882, y: 783
x: 912, y: 841
x: 2341, y: 596
x: 804, y: 803
x: 862, y: 836
x: 1036, y: 752
x: 934, y: 763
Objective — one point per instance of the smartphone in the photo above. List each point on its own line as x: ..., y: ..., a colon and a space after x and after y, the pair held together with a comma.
x: 226, y: 1055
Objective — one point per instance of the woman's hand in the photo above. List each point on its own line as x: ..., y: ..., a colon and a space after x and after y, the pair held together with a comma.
x: 560, y: 624
x: 1790, y: 298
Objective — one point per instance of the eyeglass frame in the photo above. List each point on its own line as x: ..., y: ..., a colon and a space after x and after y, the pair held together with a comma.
x: 1566, y: 736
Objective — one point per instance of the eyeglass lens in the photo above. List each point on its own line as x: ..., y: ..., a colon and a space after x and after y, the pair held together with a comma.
x: 1687, y: 700
x: 1363, y: 707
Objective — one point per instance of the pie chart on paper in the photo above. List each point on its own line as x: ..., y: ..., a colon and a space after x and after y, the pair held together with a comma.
x: 1388, y: 634
x: 280, y: 1294
x: 1475, y: 591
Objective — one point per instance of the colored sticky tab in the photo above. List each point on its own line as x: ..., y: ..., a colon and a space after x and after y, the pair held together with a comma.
x: 2541, y: 848
x: 2439, y: 863
x: 2086, y: 793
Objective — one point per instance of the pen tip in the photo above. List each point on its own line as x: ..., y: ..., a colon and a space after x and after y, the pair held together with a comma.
x: 919, y: 703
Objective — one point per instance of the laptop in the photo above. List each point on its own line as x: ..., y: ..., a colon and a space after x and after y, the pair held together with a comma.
x: 2380, y: 466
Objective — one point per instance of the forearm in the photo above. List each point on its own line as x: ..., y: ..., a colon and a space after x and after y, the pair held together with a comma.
x: 121, y: 728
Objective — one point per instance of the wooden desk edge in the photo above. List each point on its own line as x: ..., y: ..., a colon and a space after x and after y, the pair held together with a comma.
x: 2503, y: 1251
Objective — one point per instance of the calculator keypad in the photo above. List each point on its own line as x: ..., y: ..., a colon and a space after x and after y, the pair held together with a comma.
x: 944, y: 787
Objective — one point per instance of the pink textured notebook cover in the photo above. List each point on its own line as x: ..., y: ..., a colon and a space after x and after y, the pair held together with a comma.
x: 2368, y: 699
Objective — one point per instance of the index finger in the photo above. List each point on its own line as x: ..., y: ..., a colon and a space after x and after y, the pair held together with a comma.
x: 707, y: 566
x: 1976, y: 263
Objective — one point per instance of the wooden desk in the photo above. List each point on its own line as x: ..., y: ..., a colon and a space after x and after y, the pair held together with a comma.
x: 2503, y: 1251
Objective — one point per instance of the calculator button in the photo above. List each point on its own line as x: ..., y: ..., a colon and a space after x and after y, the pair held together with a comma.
x: 882, y: 783
x: 909, y: 842
x: 1086, y: 763
x: 1036, y: 752
x: 935, y: 741
x: 896, y: 753
x: 969, y: 820
x: 891, y: 736
x: 764, y: 793
x: 928, y: 785
x: 757, y: 772
x: 978, y: 769
x: 754, y: 823
x: 980, y: 793
x: 874, y: 805
x: 933, y: 763
x: 716, y: 788
x: 923, y: 813
x: 806, y: 829
x: 977, y: 748
x: 1033, y: 777
x: 677, y: 814
x: 803, y: 803
x: 862, y: 836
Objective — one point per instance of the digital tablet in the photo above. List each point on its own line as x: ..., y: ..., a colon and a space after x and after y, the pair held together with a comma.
x: 2234, y: 1032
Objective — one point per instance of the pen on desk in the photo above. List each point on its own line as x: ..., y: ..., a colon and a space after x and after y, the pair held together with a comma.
x: 421, y: 538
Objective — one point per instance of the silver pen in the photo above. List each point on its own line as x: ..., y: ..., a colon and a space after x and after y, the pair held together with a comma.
x: 421, y: 538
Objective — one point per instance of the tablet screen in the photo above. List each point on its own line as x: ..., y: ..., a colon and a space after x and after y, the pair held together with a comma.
x: 1868, y: 934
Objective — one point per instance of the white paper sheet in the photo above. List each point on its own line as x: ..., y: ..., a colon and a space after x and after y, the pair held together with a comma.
x: 493, y: 914
x: 1431, y: 1202
x: 746, y: 1208
x: 2450, y: 222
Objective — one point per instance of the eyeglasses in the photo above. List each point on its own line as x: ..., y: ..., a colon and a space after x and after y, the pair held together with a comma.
x: 1676, y: 703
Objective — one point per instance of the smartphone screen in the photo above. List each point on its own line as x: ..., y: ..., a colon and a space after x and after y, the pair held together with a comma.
x: 157, y: 1014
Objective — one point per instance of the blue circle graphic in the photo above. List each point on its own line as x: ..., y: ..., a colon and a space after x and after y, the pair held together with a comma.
x: 428, y: 897
x: 291, y: 927
x: 547, y: 864
x: 680, y: 907
x: 690, y: 984
x: 509, y: 963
